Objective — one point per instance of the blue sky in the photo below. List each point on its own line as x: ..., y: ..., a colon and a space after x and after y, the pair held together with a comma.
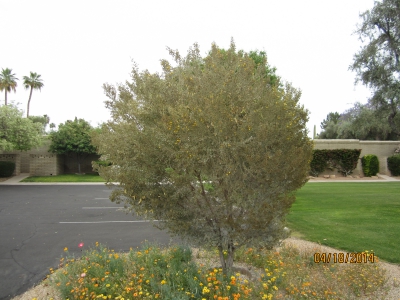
x: 78, y: 45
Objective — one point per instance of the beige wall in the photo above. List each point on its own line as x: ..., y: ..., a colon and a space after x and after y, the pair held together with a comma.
x: 45, y: 164
x: 40, y: 162
x: 382, y: 149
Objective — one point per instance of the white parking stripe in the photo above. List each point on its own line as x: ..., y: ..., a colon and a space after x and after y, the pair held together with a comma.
x: 102, y: 207
x: 99, y: 222
x: 101, y: 198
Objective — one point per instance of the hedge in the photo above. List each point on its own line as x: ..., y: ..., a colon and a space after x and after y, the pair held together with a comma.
x: 6, y: 168
x: 394, y: 164
x: 343, y: 160
x: 370, y: 165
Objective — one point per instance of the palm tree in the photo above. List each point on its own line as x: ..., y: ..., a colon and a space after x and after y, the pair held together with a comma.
x: 32, y: 82
x: 8, y: 82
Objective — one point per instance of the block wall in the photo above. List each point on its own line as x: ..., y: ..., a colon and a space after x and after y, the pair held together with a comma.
x: 45, y: 164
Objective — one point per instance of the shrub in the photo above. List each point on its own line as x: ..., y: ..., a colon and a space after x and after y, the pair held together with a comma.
x: 370, y: 165
x: 6, y: 168
x: 103, y: 163
x: 319, y: 162
x: 344, y: 160
x: 100, y: 163
x: 394, y: 164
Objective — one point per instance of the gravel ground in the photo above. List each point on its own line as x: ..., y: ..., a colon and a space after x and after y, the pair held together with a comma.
x: 392, y: 270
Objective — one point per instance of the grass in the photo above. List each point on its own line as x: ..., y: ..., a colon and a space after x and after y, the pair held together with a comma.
x: 350, y: 216
x: 174, y: 273
x: 65, y: 178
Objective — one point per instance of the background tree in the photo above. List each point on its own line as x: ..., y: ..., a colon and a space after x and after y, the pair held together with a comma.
x: 73, y: 138
x: 260, y: 59
x: 377, y: 64
x: 32, y: 82
x: 209, y: 147
x: 361, y: 122
x: 8, y: 82
x: 331, y: 117
x: 16, y: 132
x: 43, y: 120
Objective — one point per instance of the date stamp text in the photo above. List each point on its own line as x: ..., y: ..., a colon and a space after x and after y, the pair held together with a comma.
x: 344, y: 258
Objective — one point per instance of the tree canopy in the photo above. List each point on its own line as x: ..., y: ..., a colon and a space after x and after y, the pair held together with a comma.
x: 43, y: 120
x: 73, y: 138
x: 209, y: 147
x: 16, y: 132
x: 362, y: 121
x: 8, y: 82
x: 377, y: 64
x: 32, y: 82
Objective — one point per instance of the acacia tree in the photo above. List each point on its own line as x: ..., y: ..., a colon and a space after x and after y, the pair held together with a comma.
x: 73, y: 138
x: 32, y: 82
x: 8, y: 82
x: 209, y: 148
x: 16, y: 132
x: 377, y: 64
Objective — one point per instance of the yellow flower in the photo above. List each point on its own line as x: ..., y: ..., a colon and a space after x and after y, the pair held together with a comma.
x: 65, y: 249
x: 163, y: 281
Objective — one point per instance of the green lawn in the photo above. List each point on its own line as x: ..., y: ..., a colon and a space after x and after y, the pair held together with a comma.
x: 65, y: 178
x: 350, y: 216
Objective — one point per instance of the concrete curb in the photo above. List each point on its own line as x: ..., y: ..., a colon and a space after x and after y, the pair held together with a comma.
x: 16, y: 181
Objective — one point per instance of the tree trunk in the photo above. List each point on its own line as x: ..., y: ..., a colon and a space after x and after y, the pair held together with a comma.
x: 5, y: 96
x: 29, y: 102
x: 226, y: 262
x: 78, y: 159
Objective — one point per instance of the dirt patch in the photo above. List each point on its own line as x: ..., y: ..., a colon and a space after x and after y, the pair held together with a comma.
x: 4, y: 178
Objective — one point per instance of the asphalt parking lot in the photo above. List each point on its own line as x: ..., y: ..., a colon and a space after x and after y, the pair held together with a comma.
x: 38, y: 221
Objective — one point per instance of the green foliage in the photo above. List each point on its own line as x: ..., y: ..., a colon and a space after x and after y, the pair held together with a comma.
x: 16, y: 132
x: 344, y: 160
x: 260, y: 60
x: 319, y: 162
x: 102, y: 163
x: 98, y: 164
x: 377, y: 64
x: 393, y: 163
x: 43, y: 120
x: 73, y: 138
x: 6, y: 168
x: 331, y: 117
x: 370, y: 165
x: 218, y: 118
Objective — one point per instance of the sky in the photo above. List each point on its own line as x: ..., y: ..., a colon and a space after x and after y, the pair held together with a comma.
x: 76, y: 46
